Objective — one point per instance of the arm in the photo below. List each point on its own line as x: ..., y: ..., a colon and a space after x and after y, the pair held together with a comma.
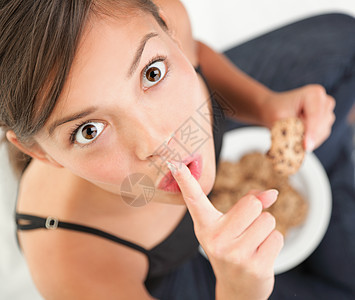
x: 254, y: 103
x: 243, y: 93
x: 251, y: 101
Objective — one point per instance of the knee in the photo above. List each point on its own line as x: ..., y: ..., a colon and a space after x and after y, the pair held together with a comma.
x: 334, y: 19
x: 332, y: 31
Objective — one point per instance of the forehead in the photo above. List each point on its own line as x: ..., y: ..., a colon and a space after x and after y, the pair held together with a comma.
x: 107, y: 47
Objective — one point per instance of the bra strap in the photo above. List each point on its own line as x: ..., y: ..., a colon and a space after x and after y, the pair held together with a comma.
x: 198, y: 69
x: 50, y: 223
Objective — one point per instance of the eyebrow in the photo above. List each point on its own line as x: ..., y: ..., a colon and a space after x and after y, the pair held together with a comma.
x: 76, y: 116
x: 139, y: 52
x: 90, y: 110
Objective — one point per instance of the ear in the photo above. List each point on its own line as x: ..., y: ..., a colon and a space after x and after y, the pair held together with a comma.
x: 35, y: 151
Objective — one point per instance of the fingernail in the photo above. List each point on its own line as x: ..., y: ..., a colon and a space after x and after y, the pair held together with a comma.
x: 171, y: 167
x: 271, y: 192
x: 268, y: 197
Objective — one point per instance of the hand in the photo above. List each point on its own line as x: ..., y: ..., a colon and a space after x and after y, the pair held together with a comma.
x: 241, y: 245
x: 311, y: 104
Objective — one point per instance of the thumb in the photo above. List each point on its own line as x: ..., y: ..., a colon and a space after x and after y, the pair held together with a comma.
x: 200, y: 207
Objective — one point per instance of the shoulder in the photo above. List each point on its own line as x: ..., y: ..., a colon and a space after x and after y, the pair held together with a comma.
x: 86, y: 265
x: 178, y: 22
x: 41, y: 186
x: 71, y: 265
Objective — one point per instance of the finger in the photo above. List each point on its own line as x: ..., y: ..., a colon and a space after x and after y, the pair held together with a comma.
x: 325, y: 122
x: 270, y: 249
x: 313, y: 110
x: 311, y: 123
x: 257, y: 232
x: 200, y: 207
x: 267, y: 198
x: 241, y: 216
x: 246, y: 211
x: 329, y: 116
x: 331, y: 103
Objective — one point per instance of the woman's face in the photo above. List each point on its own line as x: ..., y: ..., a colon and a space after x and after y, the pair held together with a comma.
x: 131, y: 101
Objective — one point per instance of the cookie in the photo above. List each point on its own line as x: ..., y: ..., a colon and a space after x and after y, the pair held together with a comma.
x: 254, y: 171
x: 227, y: 176
x: 255, y: 166
x: 290, y: 209
x: 223, y: 201
x: 287, y: 152
x: 248, y: 185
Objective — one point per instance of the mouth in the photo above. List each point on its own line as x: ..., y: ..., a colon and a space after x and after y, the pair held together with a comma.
x: 169, y: 184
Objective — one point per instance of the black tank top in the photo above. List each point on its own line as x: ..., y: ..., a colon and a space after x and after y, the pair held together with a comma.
x: 179, y: 246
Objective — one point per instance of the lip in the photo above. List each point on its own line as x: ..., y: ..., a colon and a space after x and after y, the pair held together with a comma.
x: 169, y: 184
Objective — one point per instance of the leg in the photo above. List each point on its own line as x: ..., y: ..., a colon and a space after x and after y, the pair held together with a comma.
x: 330, y: 271
x: 316, y: 50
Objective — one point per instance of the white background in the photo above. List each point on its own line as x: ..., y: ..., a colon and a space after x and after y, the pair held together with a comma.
x: 223, y: 23
x: 219, y: 23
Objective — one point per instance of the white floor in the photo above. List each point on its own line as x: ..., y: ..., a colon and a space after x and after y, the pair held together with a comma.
x: 220, y: 24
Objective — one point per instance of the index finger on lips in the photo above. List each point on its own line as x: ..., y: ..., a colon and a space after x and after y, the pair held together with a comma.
x: 200, y: 207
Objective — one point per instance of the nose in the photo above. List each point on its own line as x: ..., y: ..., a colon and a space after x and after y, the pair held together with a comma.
x: 149, y: 137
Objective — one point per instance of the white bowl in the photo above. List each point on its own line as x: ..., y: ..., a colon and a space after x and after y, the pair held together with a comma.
x: 310, y: 181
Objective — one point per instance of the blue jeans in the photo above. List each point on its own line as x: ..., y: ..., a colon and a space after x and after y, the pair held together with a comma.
x: 320, y: 50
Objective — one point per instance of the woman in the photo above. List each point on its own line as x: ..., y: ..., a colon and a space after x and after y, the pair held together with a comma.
x: 100, y: 93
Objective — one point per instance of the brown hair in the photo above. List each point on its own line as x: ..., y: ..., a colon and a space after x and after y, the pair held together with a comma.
x: 38, y: 41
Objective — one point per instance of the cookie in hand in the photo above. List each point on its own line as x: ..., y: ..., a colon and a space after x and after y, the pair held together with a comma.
x: 287, y: 151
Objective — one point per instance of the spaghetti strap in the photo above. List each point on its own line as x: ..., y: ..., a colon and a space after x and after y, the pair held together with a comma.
x: 198, y: 69
x: 35, y: 222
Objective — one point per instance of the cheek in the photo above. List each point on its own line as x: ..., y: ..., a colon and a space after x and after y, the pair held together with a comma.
x: 181, y: 97
x: 105, y: 166
x: 187, y: 89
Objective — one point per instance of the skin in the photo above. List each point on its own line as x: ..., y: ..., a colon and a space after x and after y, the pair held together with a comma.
x: 129, y: 111
x: 241, y: 244
x: 66, y: 181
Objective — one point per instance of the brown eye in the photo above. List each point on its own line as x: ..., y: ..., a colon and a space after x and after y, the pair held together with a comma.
x: 88, y: 132
x: 154, y: 73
